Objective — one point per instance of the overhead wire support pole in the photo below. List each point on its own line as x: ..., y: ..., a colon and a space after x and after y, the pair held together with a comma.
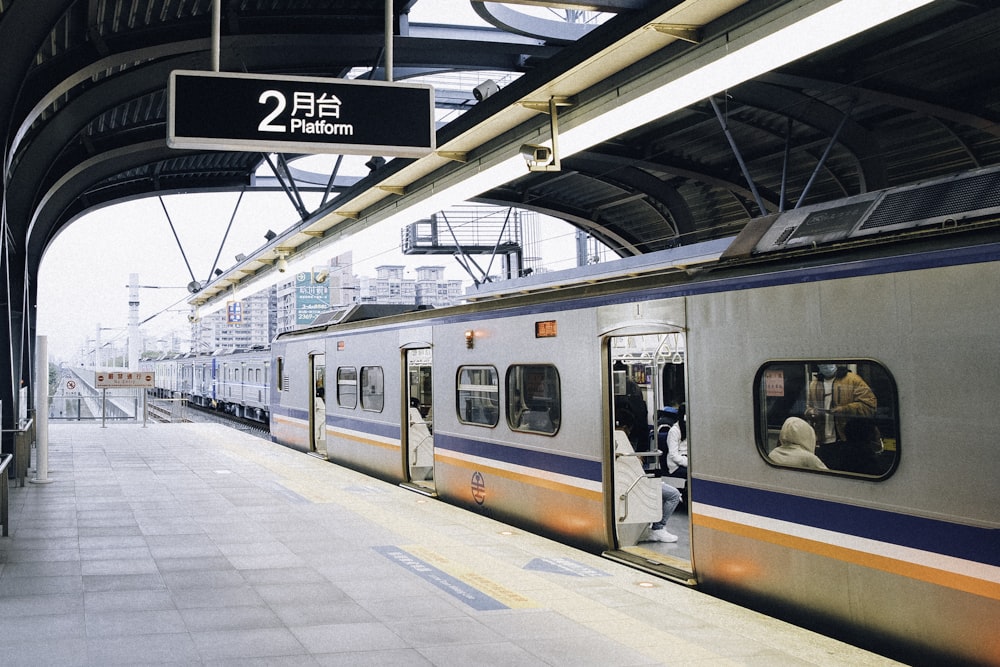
x: 303, y: 211
x: 464, y: 255
x: 784, y: 165
x: 177, y: 238
x: 496, y: 246
x: 211, y: 271
x: 739, y: 156
x: 303, y: 214
x: 826, y: 153
x: 333, y: 178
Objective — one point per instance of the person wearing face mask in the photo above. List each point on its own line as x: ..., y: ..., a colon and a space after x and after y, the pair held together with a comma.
x: 836, y: 395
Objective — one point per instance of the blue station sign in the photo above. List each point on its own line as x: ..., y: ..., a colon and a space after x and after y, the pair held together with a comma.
x: 298, y: 114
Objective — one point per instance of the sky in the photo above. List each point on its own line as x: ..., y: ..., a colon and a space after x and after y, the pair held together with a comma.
x: 84, y: 274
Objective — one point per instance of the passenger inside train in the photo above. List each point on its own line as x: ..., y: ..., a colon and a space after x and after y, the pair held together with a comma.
x: 835, y: 395
x: 797, y: 446
x: 850, y: 406
x: 675, y: 456
x: 632, y: 401
x: 670, y: 497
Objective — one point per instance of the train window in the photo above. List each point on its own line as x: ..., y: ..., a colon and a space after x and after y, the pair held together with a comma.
x: 372, y: 388
x: 533, y: 399
x: 478, y: 395
x: 347, y: 387
x: 835, y: 415
x: 281, y: 372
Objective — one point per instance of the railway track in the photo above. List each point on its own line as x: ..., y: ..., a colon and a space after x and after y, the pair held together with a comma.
x: 177, y: 412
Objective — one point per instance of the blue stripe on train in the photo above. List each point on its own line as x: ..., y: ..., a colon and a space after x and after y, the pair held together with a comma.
x: 382, y: 429
x: 981, y: 545
x: 547, y: 461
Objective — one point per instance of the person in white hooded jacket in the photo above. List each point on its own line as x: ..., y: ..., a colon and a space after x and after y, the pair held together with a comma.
x: 797, y: 445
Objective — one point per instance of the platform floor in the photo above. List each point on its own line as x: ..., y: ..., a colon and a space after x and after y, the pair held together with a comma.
x: 196, y: 544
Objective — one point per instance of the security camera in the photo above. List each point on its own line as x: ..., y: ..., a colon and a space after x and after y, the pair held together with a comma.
x: 486, y: 89
x: 534, y: 154
x: 281, y: 265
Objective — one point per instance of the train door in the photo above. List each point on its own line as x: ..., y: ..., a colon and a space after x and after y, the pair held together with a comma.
x: 418, y: 423
x: 213, y: 391
x: 646, y: 396
x: 317, y: 408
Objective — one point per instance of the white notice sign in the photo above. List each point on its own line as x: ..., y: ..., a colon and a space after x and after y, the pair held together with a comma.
x: 120, y: 379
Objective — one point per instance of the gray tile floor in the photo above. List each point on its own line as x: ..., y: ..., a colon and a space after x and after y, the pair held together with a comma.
x: 196, y: 544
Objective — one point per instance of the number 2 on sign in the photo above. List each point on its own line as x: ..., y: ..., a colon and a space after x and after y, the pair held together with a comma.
x: 266, y: 125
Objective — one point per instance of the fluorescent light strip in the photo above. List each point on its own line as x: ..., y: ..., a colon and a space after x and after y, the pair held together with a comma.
x: 465, y: 186
x: 761, y: 54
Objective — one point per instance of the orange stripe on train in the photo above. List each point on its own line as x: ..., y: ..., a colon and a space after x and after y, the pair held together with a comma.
x: 924, y: 573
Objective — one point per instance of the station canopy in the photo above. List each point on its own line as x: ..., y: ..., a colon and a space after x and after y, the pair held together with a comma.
x: 84, y: 103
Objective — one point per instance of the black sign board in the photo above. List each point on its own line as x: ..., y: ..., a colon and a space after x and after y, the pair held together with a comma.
x: 298, y: 114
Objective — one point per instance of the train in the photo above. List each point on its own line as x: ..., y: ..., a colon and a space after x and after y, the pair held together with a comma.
x: 233, y: 381
x: 512, y: 406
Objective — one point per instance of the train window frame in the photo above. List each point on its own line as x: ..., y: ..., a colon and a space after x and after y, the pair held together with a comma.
x: 347, y: 400
x: 522, y: 417
x: 372, y: 393
x: 877, y: 422
x: 471, y: 390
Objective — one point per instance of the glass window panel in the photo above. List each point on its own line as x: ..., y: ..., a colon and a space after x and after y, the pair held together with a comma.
x: 478, y: 395
x: 347, y: 387
x: 534, y: 402
x: 372, y: 388
x: 833, y: 415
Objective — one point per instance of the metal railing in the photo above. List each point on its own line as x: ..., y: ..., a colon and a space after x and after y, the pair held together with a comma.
x: 24, y: 437
x: 5, y: 494
x: 169, y: 410
x: 89, y: 408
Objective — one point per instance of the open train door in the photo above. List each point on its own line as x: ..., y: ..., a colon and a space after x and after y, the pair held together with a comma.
x: 417, y: 425
x: 317, y: 408
x: 645, y: 390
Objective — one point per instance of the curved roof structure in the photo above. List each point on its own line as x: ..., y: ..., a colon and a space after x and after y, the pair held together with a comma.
x: 83, y: 105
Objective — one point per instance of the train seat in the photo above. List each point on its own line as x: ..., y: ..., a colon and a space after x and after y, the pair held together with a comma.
x: 536, y: 420
x: 638, y: 497
x: 421, y: 442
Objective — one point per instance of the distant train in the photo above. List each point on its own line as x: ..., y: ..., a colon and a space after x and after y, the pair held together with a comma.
x: 887, y: 534
x: 230, y: 381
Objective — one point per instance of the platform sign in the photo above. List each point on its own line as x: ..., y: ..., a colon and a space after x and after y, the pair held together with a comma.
x: 311, y: 299
x: 123, y: 379
x: 298, y: 114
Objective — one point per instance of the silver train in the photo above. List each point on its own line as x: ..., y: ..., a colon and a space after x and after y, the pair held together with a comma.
x: 234, y: 381
x: 512, y: 406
